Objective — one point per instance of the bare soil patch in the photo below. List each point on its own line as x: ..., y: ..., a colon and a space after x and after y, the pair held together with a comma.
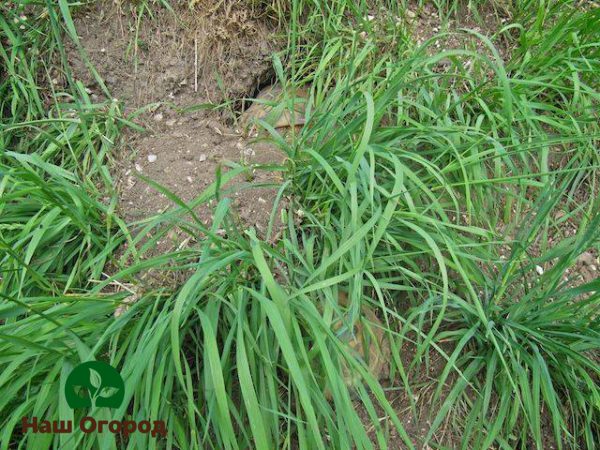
x: 180, y: 58
x: 174, y: 69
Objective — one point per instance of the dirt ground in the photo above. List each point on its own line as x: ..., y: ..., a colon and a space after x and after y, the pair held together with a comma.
x: 181, y: 59
x: 170, y: 75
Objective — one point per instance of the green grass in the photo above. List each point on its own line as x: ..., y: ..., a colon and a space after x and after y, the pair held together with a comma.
x: 412, y: 182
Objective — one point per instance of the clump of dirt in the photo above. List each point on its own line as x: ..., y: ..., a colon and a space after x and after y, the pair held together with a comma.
x: 171, y: 56
x: 237, y: 42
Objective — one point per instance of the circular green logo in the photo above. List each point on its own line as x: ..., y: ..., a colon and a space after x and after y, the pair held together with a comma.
x: 94, y: 383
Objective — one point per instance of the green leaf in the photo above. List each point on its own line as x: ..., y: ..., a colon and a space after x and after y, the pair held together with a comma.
x: 108, y: 391
x: 95, y: 379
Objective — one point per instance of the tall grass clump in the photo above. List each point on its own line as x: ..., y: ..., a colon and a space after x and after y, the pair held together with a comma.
x: 528, y: 345
x: 58, y: 203
x: 55, y: 235
x: 58, y: 227
x: 434, y: 166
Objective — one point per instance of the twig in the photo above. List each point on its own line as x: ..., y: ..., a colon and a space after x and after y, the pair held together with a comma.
x: 195, y: 64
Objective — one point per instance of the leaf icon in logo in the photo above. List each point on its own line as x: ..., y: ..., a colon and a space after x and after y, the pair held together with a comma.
x: 94, y: 384
x: 95, y: 378
x: 108, y: 391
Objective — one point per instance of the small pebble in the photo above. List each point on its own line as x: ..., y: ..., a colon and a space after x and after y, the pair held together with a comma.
x: 586, y: 258
x: 202, y: 157
x: 152, y: 158
x: 539, y: 270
